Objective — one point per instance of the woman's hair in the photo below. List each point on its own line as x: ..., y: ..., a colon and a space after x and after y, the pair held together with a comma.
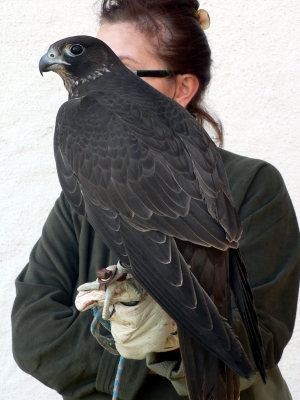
x: 181, y: 43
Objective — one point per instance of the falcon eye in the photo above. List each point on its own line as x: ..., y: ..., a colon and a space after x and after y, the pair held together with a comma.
x: 76, y: 49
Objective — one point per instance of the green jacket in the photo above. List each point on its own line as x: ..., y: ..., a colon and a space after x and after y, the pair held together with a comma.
x: 52, y: 340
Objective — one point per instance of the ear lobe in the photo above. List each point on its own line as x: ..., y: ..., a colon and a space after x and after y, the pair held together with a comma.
x: 186, y: 87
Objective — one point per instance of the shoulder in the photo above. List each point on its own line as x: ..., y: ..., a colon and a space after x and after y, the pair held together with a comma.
x: 249, y: 166
x: 251, y: 177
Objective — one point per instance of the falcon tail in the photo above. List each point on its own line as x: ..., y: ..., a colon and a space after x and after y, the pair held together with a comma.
x: 244, y: 300
x: 207, y: 377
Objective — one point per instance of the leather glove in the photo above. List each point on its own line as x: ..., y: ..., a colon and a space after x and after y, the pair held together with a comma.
x: 141, y: 329
x: 138, y: 324
x: 93, y: 294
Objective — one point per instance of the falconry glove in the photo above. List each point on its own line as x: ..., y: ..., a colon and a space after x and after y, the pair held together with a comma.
x: 141, y: 329
x: 138, y: 324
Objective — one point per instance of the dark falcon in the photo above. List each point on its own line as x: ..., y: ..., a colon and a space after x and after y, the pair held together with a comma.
x: 152, y: 184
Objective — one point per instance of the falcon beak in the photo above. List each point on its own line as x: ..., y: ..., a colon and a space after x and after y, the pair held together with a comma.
x: 50, y: 61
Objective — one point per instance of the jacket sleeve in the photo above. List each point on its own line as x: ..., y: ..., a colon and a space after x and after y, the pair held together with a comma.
x: 51, y: 338
x: 270, y: 249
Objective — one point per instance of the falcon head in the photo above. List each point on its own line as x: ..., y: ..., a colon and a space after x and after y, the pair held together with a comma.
x: 78, y: 59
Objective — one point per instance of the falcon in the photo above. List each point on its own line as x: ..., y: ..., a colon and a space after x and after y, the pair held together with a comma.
x: 151, y: 182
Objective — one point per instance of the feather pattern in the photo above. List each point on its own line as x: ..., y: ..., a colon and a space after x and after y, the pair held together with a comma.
x: 152, y: 184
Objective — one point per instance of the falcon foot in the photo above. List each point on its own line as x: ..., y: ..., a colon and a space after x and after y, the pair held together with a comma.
x: 128, y: 292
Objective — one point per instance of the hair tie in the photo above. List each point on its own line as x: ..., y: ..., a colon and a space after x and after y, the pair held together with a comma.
x: 203, y: 18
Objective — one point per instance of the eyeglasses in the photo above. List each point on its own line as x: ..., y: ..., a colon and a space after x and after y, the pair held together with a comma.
x: 154, y: 73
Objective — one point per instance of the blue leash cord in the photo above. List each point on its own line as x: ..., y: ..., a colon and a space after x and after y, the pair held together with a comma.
x: 107, y: 342
x: 117, y: 379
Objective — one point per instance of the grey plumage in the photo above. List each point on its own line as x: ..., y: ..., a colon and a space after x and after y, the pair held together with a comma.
x: 152, y: 184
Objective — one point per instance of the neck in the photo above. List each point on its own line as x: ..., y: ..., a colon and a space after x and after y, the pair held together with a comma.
x: 78, y: 88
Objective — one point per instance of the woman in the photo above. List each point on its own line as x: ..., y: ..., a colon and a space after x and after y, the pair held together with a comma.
x: 51, y: 339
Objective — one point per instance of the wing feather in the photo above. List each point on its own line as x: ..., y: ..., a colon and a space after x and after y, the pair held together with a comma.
x: 147, y: 176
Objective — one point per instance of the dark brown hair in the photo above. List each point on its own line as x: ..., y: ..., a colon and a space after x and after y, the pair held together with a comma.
x: 181, y: 43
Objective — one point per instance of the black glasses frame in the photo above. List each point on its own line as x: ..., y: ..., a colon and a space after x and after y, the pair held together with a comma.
x: 154, y: 73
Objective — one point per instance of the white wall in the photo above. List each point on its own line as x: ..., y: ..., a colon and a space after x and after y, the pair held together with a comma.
x: 255, y: 92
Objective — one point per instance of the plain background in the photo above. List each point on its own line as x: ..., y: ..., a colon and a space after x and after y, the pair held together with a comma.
x: 255, y: 91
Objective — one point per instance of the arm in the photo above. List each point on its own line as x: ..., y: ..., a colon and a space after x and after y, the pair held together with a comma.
x: 51, y: 339
x: 270, y: 249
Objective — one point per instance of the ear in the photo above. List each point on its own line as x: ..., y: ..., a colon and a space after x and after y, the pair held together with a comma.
x: 186, y: 87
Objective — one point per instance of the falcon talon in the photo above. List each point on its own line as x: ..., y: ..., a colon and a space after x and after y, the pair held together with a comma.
x: 89, y: 286
x: 121, y: 269
x: 111, y: 290
x: 109, y: 293
x: 133, y: 292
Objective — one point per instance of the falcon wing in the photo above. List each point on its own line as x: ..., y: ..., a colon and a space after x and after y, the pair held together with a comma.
x: 146, y: 176
x: 69, y: 183
x: 126, y: 190
x: 185, y: 151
